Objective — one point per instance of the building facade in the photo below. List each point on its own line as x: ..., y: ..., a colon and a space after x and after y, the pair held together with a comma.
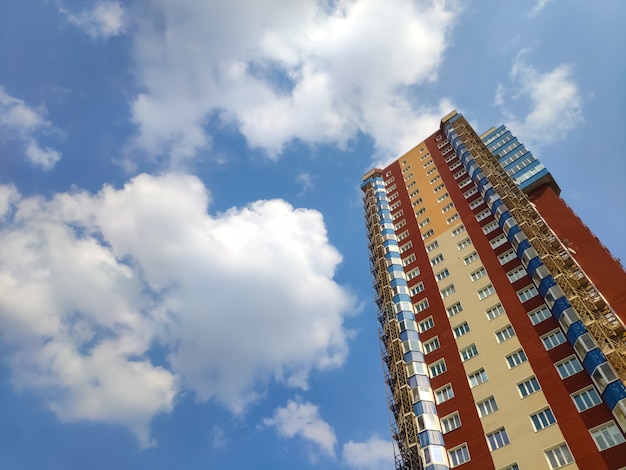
x: 501, y: 316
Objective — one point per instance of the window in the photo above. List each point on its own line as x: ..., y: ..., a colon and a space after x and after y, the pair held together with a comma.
x: 528, y: 387
x: 436, y: 178
x: 427, y: 234
x: 452, y: 219
x: 414, y: 193
x: 406, y: 247
x: 437, y: 368
x: 395, y: 205
x: 461, y: 330
x: 490, y: 227
x: 538, y: 315
x: 494, y: 311
x: 436, y: 260
x: 559, y: 456
x: 451, y: 422
x: 438, y: 188
x: 400, y: 224
x: 419, y: 287
x: 454, y: 309
x: 469, y: 193
x: 421, y: 305
x: 448, y: 291
x: 477, y: 378
x: 470, y: 259
x: 431, y: 171
x: 442, y: 274
x: 465, y: 182
x: 482, y: 215
x: 568, y: 367
x: 507, y: 256
x: 459, y: 173
x: 427, y: 163
x: 527, y: 293
x: 420, y: 211
x: 413, y: 273
x: 511, y: 467
x: 444, y: 394
x: 455, y: 165
x: 498, y: 241
x: 498, y: 439
x: 464, y: 244
x: 447, y: 207
x: 505, y: 333
x: 458, y: 456
x: 486, y: 407
x: 516, y: 358
x: 586, y: 398
x: 431, y: 345
x: 516, y: 274
x: 403, y: 235
x: 476, y: 275
x: 426, y: 324
x: 542, y: 419
x: 476, y: 202
x: 553, y: 339
x: 409, y: 259
x: 459, y: 230
x: 486, y: 292
x: 606, y: 436
x: 432, y: 246
x: 424, y: 222
x: 469, y: 352
x: 442, y: 197
x: 417, y: 202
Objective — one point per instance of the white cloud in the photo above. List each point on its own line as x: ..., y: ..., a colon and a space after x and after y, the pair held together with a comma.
x: 372, y: 454
x: 555, y: 102
x: 21, y: 122
x: 302, y: 419
x: 104, y: 20
x: 308, y: 70
x: 537, y: 8
x: 89, y: 284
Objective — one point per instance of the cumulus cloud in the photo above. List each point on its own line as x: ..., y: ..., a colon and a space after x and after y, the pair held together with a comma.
x: 309, y: 70
x: 104, y: 20
x: 92, y: 284
x: 21, y: 122
x: 302, y: 419
x: 372, y: 454
x: 554, y: 98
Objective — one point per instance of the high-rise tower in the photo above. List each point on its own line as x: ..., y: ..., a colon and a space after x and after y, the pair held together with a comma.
x: 501, y: 315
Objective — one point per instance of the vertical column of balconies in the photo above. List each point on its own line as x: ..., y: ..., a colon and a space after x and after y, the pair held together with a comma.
x: 587, y: 321
x: 416, y: 430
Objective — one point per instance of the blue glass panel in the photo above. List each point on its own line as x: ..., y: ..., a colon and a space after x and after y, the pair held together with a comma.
x: 513, y: 231
x: 534, y: 178
x: 613, y: 393
x: 503, y: 218
x: 575, y: 330
x: 424, y: 407
x: 430, y: 437
x: 523, y: 247
x: 388, y: 231
x: 558, y: 307
x: 415, y: 356
x: 398, y: 282
x: 593, y: 359
x: 405, y: 315
x: 401, y: 298
x: 545, y: 284
x: 409, y: 334
x: 533, y: 264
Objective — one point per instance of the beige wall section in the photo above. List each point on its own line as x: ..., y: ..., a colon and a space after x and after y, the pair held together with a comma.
x: 526, y: 447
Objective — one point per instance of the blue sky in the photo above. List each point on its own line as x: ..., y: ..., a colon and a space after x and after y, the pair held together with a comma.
x: 183, y: 268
